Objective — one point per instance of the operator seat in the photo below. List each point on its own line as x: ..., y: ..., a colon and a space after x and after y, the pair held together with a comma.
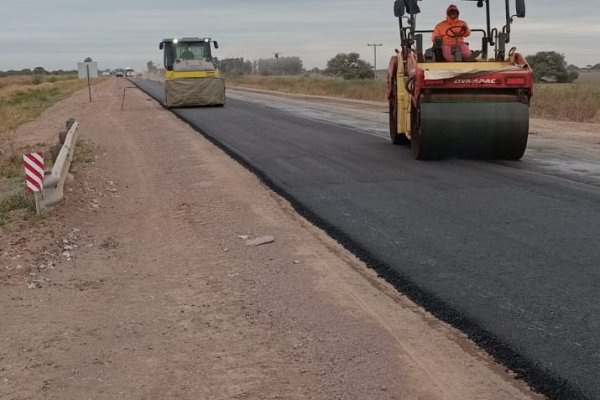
x: 438, y: 54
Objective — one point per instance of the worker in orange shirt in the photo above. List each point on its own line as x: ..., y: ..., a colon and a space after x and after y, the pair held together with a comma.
x: 453, y: 32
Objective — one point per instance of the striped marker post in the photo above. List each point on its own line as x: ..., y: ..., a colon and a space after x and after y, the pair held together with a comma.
x: 34, y: 177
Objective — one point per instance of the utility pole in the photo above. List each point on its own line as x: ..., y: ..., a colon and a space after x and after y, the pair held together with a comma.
x: 374, y: 46
x: 276, y: 55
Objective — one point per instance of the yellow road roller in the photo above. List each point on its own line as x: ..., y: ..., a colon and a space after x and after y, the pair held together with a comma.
x: 191, y: 77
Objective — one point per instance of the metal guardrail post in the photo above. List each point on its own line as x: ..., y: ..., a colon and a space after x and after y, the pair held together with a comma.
x: 54, y: 183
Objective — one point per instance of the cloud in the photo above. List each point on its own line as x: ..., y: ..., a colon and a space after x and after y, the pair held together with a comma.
x: 58, y: 33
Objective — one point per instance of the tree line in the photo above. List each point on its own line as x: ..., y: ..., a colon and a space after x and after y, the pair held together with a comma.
x: 347, y: 66
x: 548, y: 66
x: 265, y: 66
x: 36, y: 71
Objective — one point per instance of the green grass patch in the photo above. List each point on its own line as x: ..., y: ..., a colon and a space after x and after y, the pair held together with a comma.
x: 16, y: 201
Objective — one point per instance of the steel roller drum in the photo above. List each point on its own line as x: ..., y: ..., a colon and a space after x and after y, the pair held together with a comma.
x: 496, y: 130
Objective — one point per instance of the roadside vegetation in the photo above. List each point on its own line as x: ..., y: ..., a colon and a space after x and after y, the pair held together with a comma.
x: 16, y: 202
x: 23, y: 98
x: 578, y: 102
x: 564, y: 92
x: 316, y: 85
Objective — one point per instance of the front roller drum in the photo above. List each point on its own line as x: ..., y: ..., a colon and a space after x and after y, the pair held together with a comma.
x: 193, y: 92
x: 490, y: 130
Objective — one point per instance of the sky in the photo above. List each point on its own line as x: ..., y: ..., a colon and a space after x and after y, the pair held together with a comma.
x: 56, y: 34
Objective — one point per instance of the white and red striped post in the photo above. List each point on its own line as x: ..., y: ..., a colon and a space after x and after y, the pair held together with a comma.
x: 34, y: 176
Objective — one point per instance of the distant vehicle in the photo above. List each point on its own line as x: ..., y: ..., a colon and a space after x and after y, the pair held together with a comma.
x: 129, y: 72
x: 119, y: 73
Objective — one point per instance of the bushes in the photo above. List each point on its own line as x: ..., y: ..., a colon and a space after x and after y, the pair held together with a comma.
x: 349, y: 66
x: 551, y: 67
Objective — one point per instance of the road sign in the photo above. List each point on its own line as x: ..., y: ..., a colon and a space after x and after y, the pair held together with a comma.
x: 34, y: 171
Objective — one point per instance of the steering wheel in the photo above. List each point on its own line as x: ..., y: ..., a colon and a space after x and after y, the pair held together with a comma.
x: 456, y: 31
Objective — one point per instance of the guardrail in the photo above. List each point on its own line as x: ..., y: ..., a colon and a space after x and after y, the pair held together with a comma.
x: 54, y: 182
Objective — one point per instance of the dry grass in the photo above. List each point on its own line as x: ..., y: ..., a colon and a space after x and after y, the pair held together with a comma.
x: 589, y: 77
x: 578, y: 102
x: 317, y: 85
x: 567, y: 102
x: 10, y: 84
x: 24, y: 98
x: 13, y: 82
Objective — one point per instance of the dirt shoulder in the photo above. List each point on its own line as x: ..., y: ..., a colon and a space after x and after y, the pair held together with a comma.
x: 144, y: 284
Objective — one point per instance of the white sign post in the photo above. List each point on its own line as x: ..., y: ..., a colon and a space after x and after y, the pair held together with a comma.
x: 87, y: 70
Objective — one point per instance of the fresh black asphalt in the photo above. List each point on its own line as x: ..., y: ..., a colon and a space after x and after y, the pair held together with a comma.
x: 509, y: 256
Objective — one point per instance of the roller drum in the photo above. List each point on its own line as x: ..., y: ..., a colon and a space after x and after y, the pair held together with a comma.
x: 190, y: 92
x: 496, y: 130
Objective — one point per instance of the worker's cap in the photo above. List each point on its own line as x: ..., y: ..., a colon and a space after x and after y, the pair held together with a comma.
x: 452, y: 8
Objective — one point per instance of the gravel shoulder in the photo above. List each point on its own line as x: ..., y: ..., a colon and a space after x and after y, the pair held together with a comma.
x: 145, y: 284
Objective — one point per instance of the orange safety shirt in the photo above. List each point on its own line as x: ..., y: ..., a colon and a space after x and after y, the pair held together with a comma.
x: 442, y: 27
